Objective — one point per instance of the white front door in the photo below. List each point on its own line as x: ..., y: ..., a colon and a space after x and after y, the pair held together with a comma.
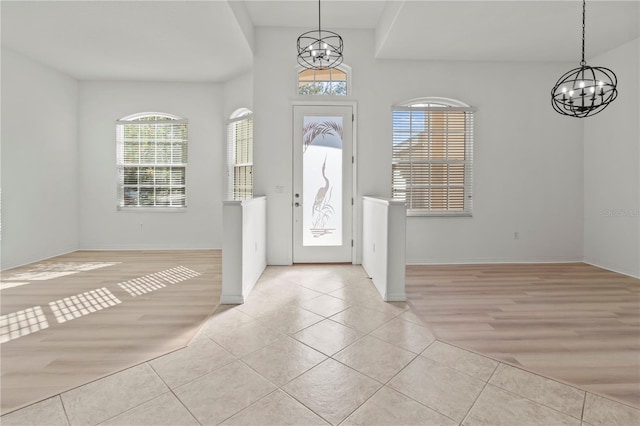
x: 322, y: 183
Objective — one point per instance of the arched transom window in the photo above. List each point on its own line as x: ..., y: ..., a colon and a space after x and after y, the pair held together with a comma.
x: 331, y: 82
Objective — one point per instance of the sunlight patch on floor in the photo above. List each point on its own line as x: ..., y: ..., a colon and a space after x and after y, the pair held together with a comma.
x: 49, y: 271
x: 6, y: 285
x: 83, y: 304
x: 21, y: 323
x: 157, y: 280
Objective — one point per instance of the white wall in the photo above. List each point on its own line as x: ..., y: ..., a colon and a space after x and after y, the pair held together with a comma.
x: 102, y: 226
x: 272, y: 131
x: 238, y: 93
x: 612, y: 170
x: 39, y: 161
x: 528, y: 160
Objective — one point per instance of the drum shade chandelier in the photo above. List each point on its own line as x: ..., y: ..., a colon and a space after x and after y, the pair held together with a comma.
x: 319, y: 49
x: 584, y: 91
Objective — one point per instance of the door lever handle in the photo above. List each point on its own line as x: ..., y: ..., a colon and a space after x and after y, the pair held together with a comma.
x: 298, y: 204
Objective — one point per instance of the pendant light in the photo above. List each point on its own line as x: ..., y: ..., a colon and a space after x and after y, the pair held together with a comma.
x: 319, y: 49
x: 584, y: 91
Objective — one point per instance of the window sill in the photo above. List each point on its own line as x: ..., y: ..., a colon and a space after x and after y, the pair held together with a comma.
x: 438, y: 214
x: 152, y: 209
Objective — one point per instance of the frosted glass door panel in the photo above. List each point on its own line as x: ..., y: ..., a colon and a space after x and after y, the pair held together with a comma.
x: 322, y: 181
x: 322, y: 196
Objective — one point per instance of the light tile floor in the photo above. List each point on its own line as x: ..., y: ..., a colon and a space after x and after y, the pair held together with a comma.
x: 307, y: 350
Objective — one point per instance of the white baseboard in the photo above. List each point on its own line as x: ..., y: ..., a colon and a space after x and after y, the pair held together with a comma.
x: 398, y: 297
x: 489, y: 261
x: 609, y: 268
x: 145, y: 247
x: 231, y: 299
x: 482, y: 260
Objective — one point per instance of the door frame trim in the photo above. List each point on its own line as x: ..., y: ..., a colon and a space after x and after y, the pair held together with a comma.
x: 355, y: 231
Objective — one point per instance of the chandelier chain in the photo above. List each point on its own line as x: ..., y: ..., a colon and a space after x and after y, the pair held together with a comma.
x: 320, y: 49
x: 584, y: 12
x: 584, y: 91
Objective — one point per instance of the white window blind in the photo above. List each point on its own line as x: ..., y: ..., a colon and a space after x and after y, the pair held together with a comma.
x: 432, y: 158
x: 240, y: 157
x: 152, y: 161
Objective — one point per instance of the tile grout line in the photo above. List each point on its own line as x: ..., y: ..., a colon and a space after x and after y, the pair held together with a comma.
x: 245, y: 408
x: 358, y: 407
x: 303, y: 404
x: 466, y: 416
x: 64, y: 409
x: 421, y: 403
x: 309, y: 346
x: 457, y: 369
x: 537, y: 402
x: 529, y: 399
x: 174, y: 394
x: 132, y: 408
x: 386, y: 385
x: 363, y: 402
x: 143, y: 402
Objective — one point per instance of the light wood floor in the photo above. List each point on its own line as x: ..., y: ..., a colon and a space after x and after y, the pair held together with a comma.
x: 177, y: 291
x: 571, y: 322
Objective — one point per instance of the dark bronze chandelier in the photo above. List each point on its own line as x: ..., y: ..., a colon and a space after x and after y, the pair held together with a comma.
x: 319, y: 49
x: 584, y: 91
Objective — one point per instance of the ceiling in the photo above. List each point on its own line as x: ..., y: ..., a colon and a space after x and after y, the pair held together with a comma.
x: 129, y: 40
x: 336, y: 14
x: 211, y: 40
x: 509, y: 30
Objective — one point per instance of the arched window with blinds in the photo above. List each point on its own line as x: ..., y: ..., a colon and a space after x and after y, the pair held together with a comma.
x: 240, y: 155
x: 151, y: 151
x: 432, y: 156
